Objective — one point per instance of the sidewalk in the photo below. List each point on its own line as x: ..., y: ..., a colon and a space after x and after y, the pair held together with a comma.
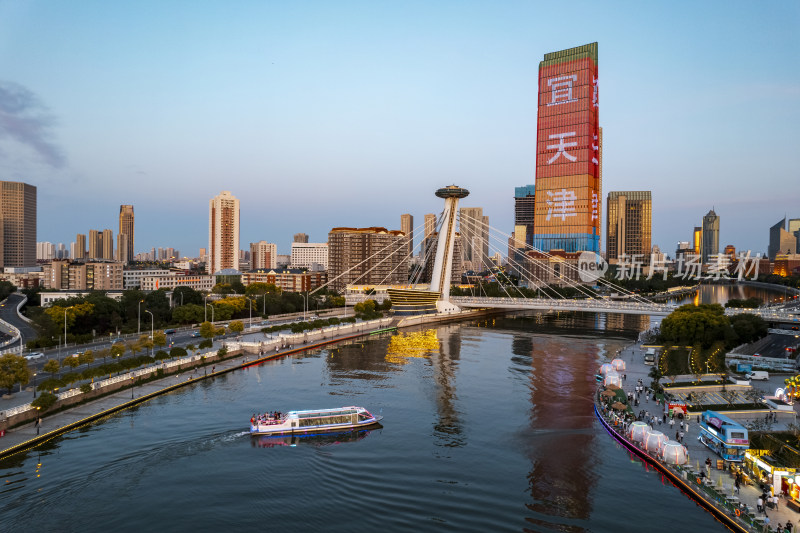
x: 636, y: 369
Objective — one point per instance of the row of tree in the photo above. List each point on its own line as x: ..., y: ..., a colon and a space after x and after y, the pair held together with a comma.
x: 96, y: 314
x: 706, y: 324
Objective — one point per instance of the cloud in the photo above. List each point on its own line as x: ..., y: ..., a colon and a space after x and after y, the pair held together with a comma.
x: 24, y: 119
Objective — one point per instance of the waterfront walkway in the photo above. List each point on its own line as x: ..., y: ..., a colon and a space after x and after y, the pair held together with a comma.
x: 722, y: 481
x: 29, y: 435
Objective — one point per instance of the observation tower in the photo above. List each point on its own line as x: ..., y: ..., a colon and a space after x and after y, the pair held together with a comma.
x: 442, y: 265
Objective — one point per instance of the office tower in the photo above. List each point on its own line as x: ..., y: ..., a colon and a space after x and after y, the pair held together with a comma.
x: 781, y: 241
x: 263, y: 255
x: 108, y: 244
x: 568, y: 152
x: 684, y: 248
x: 407, y: 227
x: 697, y: 240
x: 61, y: 251
x: 474, y: 231
x: 300, y: 237
x: 710, y: 236
x: 80, y: 246
x: 794, y: 229
x: 629, y: 225
x: 309, y: 254
x: 524, y: 211
x: 223, y: 233
x: 366, y: 256
x: 17, y: 224
x: 126, y: 233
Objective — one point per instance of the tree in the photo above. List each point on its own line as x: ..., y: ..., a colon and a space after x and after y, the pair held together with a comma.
x: 145, y: 343
x: 205, y: 343
x: 86, y: 358
x: 72, y: 362
x: 51, y: 367
x: 45, y: 401
x: 13, y: 369
x: 117, y: 350
x: 236, y: 326
x: 207, y: 330
x: 177, y: 352
x: 188, y: 314
x: 159, y: 339
x: 656, y: 374
x: 729, y: 396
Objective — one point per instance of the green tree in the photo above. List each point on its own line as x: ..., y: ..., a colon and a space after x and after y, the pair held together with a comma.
x: 86, y: 358
x: 13, y: 369
x: 72, y: 362
x: 188, y: 314
x: 145, y: 343
x: 205, y: 343
x: 177, y: 352
x: 51, y: 367
x: 45, y: 401
x: 236, y: 326
x: 117, y: 350
x: 207, y: 330
x: 159, y: 339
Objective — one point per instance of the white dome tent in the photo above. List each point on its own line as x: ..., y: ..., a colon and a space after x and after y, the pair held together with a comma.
x: 654, y: 440
x: 673, y: 452
x: 605, y: 368
x: 612, y: 378
x: 637, y: 431
x: 618, y: 365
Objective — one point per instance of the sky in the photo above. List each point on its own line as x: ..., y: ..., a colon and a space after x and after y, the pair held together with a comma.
x: 320, y: 114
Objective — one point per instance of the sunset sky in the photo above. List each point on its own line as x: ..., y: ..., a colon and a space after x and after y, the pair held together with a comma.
x: 323, y: 114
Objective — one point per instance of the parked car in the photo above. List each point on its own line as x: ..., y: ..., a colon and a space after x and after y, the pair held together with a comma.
x: 195, y: 334
x: 33, y: 356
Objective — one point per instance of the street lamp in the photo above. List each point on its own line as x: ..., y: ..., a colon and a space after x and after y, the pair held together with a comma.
x: 139, y: 326
x: 152, y: 323
x: 65, y: 326
x: 34, y: 384
x: 250, y: 324
x: 205, y: 308
x: 305, y: 306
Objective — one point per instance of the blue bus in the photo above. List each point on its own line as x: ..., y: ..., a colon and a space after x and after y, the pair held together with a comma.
x: 723, y: 436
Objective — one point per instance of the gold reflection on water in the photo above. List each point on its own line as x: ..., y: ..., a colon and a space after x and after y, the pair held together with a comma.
x: 406, y: 345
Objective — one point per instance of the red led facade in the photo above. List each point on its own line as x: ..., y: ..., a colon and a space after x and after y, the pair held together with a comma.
x: 568, y: 196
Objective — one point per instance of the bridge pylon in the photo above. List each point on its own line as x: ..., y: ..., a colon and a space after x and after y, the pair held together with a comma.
x: 443, y: 263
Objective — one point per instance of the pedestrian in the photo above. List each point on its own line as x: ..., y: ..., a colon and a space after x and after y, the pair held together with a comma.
x: 671, y: 423
x: 681, y: 424
x: 686, y: 429
x: 681, y: 439
x: 760, y: 505
x: 736, y: 485
x: 664, y: 418
x: 677, y: 436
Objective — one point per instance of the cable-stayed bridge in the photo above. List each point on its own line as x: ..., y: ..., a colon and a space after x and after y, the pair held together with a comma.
x: 542, y: 276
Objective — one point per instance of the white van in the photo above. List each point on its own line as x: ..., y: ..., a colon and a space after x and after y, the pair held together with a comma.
x: 757, y: 375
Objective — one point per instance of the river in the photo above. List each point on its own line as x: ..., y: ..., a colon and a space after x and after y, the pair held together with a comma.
x: 492, y: 430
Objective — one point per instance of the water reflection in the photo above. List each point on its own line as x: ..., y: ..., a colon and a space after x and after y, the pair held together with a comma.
x: 448, y: 428
x: 321, y: 439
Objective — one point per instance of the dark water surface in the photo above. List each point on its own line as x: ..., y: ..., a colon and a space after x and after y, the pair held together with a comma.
x: 491, y: 431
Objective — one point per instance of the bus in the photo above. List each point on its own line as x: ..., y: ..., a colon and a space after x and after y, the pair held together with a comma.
x: 723, y: 436
x: 650, y: 356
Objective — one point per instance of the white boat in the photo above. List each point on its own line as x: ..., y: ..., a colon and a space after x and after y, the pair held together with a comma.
x: 314, y: 421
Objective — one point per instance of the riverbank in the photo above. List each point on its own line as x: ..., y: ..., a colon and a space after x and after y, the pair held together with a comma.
x: 715, y: 489
x: 128, y: 393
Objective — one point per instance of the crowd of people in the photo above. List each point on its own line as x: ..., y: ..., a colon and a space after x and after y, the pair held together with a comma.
x: 269, y: 418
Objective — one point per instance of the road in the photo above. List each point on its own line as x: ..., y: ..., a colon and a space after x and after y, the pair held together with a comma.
x: 8, y: 312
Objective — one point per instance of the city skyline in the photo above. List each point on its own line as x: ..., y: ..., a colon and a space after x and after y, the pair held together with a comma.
x: 291, y: 99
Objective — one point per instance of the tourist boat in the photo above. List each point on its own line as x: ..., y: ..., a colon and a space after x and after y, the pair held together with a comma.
x: 314, y: 421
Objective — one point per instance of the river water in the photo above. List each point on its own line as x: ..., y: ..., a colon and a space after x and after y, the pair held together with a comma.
x: 491, y: 430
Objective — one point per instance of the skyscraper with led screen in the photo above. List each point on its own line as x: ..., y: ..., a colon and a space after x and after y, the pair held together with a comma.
x: 567, y: 212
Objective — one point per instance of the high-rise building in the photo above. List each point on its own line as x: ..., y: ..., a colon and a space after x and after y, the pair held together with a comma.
x: 17, y: 224
x: 474, y: 231
x: 263, y: 255
x: 125, y: 250
x: 710, y: 236
x: 629, y: 225
x: 568, y: 199
x: 311, y: 255
x: 794, y: 229
x: 95, y: 244
x: 697, y: 240
x: 300, y: 237
x: 781, y: 241
x: 108, y: 244
x: 223, y: 233
x: 80, y: 246
x: 366, y: 256
x: 524, y: 211
x: 430, y: 225
x: 45, y: 251
x: 407, y: 227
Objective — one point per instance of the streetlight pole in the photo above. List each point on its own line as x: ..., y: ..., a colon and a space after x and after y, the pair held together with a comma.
x: 205, y: 308
x: 139, y: 321
x: 152, y: 324
x: 305, y: 307
x: 34, y: 384
x: 65, y: 325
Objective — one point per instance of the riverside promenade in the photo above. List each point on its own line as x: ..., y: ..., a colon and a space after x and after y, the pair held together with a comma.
x: 29, y: 435
x: 718, y: 491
